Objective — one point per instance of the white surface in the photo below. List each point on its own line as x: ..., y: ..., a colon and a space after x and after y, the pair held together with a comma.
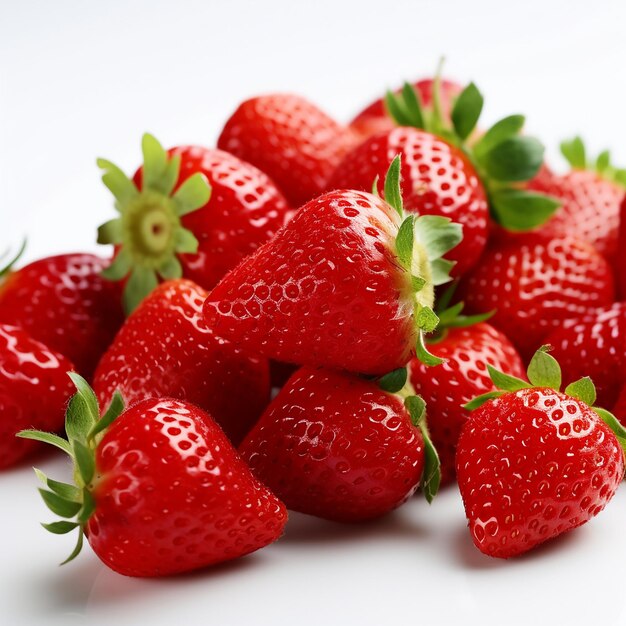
x: 80, y: 80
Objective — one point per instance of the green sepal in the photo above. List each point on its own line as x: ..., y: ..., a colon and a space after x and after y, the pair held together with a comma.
x: 85, y: 461
x: 87, y: 509
x: 413, y: 106
x: 60, y: 528
x: 65, y: 490
x: 603, y: 161
x: 574, y: 152
x: 394, y: 380
x: 77, y: 548
x: 185, y: 242
x: 86, y: 393
x: 122, y: 187
x: 478, y: 401
x: 466, y: 111
x: 78, y: 422
x: 111, y: 232
x: 404, y: 241
x: 515, y: 159
x: 437, y: 234
x: 505, y: 382
x: 171, y: 269
x: 50, y: 438
x: 451, y: 316
x: 417, y: 283
x: 464, y: 321
x: 8, y: 266
x: 59, y: 505
x: 503, y: 129
x: 120, y: 267
x: 583, y: 390
x: 422, y: 353
x: 416, y: 407
x: 194, y: 193
x: 392, y: 190
x: 520, y: 210
x: 544, y: 370
x: 614, y: 424
x: 375, y: 187
x: 115, y: 409
x: 427, y: 319
x: 141, y: 282
x: 440, y: 271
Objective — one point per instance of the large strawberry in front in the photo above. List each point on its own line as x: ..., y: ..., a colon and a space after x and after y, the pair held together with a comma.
x: 166, y: 349
x: 158, y: 490
x: 348, y: 283
x: 191, y: 212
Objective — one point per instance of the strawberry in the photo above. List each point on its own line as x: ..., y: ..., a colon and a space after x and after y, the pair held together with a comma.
x: 591, y: 195
x: 375, y: 117
x: 294, y: 142
x: 466, y: 345
x: 339, y: 447
x: 532, y: 462
x: 620, y: 268
x: 34, y: 390
x: 594, y: 345
x: 442, y: 175
x: 159, y: 489
x: 348, y: 283
x: 165, y: 349
x: 65, y: 303
x: 189, y: 211
x: 536, y: 283
x: 619, y: 410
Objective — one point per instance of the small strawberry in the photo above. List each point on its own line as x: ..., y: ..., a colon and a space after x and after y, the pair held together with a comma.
x: 532, y: 462
x: 189, y: 211
x: 467, y: 346
x: 594, y: 345
x: 348, y: 283
x: 443, y: 175
x: 535, y: 283
x: 590, y: 194
x: 34, y: 390
x: 166, y: 349
x: 159, y: 489
x: 294, y: 142
x: 375, y: 118
x: 65, y: 303
x: 339, y: 447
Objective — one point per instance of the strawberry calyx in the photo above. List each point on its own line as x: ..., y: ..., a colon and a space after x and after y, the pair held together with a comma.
x: 397, y: 383
x: 420, y: 246
x: 575, y: 153
x: 8, y: 266
x: 502, y: 157
x: 148, y: 233
x: 545, y: 371
x: 84, y: 429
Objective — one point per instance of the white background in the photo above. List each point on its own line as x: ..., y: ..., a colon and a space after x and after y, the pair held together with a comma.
x: 80, y: 80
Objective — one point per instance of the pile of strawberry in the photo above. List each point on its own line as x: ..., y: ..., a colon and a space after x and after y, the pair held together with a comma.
x: 407, y: 284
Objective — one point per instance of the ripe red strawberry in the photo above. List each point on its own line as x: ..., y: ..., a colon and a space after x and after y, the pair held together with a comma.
x: 159, y: 489
x: 591, y: 197
x: 348, y: 283
x: 594, y: 346
x: 533, y: 462
x: 620, y: 268
x: 189, y: 211
x: 467, y: 348
x: 166, y: 349
x: 34, y: 391
x: 535, y: 283
x: 442, y: 175
x: 619, y: 410
x: 375, y: 118
x: 337, y: 446
x: 64, y: 302
x: 294, y: 142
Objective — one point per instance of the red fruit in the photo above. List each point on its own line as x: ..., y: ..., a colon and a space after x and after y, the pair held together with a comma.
x: 166, y: 349
x: 619, y: 410
x: 594, y: 346
x: 534, y: 463
x: 65, y: 303
x: 436, y: 179
x: 620, y: 268
x: 590, y: 201
x: 190, y: 212
x: 336, y: 446
x: 34, y: 390
x: 162, y: 492
x: 375, y: 119
x: 462, y: 376
x: 535, y: 283
x: 296, y: 144
x: 342, y: 285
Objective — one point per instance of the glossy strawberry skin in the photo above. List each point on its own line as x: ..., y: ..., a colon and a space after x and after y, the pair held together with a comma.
x: 535, y: 283
x: 374, y: 118
x: 166, y: 349
x: 437, y: 179
x: 34, y: 391
x: 290, y: 139
x: 531, y: 465
x: 619, y: 409
x: 589, y: 210
x: 594, y: 346
x: 336, y: 446
x: 462, y: 377
x: 326, y: 291
x: 65, y: 303
x: 172, y: 495
x: 244, y: 211
x: 620, y: 268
